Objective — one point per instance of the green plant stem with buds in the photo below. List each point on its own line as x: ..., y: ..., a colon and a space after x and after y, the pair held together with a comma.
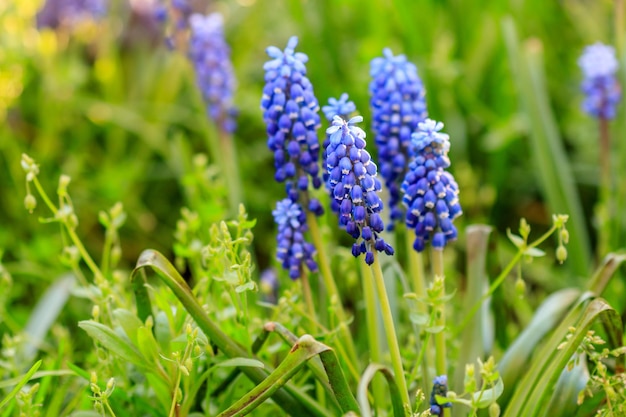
x: 390, y: 330
x: 70, y: 231
x: 329, y: 283
x: 503, y: 275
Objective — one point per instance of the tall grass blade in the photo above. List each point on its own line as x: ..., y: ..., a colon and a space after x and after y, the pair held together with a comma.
x: 553, y: 168
x: 20, y: 384
x: 364, y: 383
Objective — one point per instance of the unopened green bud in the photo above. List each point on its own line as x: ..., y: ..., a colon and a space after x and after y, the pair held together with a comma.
x: 188, y: 363
x: 64, y: 181
x: 30, y: 202
x: 110, y: 384
x: 95, y: 312
x: 116, y: 254
x: 94, y: 378
x: 564, y: 236
x: 561, y: 254
x: 494, y: 410
x: 520, y: 287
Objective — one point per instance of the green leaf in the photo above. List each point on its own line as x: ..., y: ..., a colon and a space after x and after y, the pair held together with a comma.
x: 148, y: 345
x: 248, y: 286
x: 485, y: 398
x: 553, y: 169
x: 291, y: 399
x: 515, y: 239
x: 536, y: 386
x: 129, y: 322
x: 534, y: 252
x: 516, y: 358
x: 20, y: 384
x: 236, y: 362
x: 112, y: 341
x: 394, y: 392
x: 419, y: 319
x: 305, y: 348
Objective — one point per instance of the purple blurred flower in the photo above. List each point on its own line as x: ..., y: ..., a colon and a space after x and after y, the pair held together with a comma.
x: 55, y: 13
x: 210, y: 55
x: 601, y: 87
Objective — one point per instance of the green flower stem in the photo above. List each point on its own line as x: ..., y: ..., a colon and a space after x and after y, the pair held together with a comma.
x: 606, y: 215
x: 369, y: 294
x: 390, y: 330
x: 329, y: 283
x: 440, y: 316
x: 70, y: 231
x: 230, y: 171
x: 416, y: 270
x: 306, y: 294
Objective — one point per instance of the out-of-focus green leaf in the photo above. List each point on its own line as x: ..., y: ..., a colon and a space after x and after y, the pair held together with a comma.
x: 112, y: 341
x: 20, y: 384
x: 491, y: 395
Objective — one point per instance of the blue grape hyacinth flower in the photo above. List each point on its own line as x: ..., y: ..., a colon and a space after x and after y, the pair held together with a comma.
x: 291, y: 114
x: 398, y: 105
x: 430, y: 192
x: 440, y: 387
x: 600, y: 85
x: 355, y: 188
x: 293, y: 251
x: 342, y: 107
x: 210, y: 56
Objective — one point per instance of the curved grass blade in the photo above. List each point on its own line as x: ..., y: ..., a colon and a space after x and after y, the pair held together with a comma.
x: 605, y: 272
x: 20, y: 384
x: 536, y: 387
x: 305, y: 349
x: 291, y: 399
x: 546, y: 318
x: 570, y: 383
x: 364, y: 383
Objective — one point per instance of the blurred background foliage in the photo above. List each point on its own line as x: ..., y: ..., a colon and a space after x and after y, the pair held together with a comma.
x: 108, y: 104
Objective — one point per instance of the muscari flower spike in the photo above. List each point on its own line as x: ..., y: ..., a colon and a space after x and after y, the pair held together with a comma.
x: 430, y: 192
x: 341, y: 107
x: 293, y: 251
x: 600, y: 85
x: 440, y: 387
x: 210, y: 56
x: 355, y: 188
x: 290, y: 111
x: 398, y: 105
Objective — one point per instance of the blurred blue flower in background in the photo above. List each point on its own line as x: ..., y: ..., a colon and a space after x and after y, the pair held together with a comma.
x: 55, y: 13
x: 210, y: 55
x: 430, y: 192
x: 600, y: 85
x: 290, y: 112
x: 293, y: 252
x: 440, y: 387
x: 355, y: 188
x: 398, y: 105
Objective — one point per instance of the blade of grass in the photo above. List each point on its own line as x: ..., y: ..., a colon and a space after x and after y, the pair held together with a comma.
x: 23, y: 381
x: 366, y: 379
x: 553, y: 168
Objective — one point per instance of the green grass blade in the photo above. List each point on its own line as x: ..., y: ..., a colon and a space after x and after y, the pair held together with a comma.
x: 20, y: 384
x: 605, y: 272
x: 290, y: 399
x: 547, y: 317
x: 305, y: 349
x: 474, y: 334
x: 553, y: 168
x: 535, y: 389
x: 394, y: 391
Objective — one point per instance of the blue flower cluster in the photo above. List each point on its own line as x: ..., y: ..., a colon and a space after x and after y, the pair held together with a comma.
x: 56, y: 13
x: 600, y: 85
x: 290, y: 112
x: 210, y: 56
x: 398, y: 105
x: 355, y: 188
x: 430, y: 192
x: 293, y: 251
x: 341, y: 107
x: 440, y: 387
